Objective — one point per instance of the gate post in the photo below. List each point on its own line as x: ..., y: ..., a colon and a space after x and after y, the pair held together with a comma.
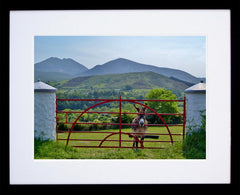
x: 184, y: 116
x: 120, y: 121
x: 196, y: 103
x: 44, y: 111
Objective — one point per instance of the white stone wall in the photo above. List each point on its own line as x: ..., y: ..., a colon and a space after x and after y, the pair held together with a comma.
x: 44, y: 115
x: 195, y: 104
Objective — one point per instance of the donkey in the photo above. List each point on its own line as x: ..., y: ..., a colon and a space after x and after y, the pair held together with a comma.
x: 139, y: 125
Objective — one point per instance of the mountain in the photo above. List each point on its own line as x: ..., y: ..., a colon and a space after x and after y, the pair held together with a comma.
x: 55, y: 68
x: 65, y: 65
x: 51, y: 76
x: 134, y: 80
x: 122, y: 65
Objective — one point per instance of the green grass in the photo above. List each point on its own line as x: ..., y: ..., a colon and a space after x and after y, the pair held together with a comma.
x: 57, y: 150
x: 194, y: 145
x: 102, y: 135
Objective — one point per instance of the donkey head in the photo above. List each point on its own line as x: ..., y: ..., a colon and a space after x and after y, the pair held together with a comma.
x: 141, y: 115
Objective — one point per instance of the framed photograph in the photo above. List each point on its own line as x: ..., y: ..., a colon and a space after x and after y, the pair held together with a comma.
x: 107, y: 92
x: 103, y: 105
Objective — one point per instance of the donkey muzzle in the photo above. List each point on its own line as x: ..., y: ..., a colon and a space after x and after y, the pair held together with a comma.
x: 141, y: 122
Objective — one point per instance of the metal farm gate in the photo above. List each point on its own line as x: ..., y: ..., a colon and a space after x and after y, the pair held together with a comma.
x: 121, y: 137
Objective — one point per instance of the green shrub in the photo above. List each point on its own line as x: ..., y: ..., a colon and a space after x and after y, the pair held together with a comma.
x: 163, y: 107
x: 78, y: 127
x: 194, y: 145
x: 125, y: 118
x: 62, y: 126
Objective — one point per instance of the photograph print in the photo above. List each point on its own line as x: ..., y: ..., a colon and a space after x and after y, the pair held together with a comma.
x: 119, y: 97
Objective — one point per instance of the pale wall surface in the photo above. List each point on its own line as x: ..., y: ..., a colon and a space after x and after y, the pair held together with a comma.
x: 44, y: 115
x: 195, y: 104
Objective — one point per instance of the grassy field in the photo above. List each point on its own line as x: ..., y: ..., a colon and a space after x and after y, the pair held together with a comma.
x: 190, y: 149
x: 103, y: 133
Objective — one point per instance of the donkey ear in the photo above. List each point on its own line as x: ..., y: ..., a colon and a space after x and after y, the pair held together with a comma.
x: 145, y: 108
x: 136, y: 107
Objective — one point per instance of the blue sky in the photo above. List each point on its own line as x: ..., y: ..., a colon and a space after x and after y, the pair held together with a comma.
x: 187, y: 53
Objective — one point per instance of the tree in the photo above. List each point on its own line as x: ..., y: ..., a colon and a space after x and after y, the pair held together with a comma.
x: 162, y: 107
x: 127, y: 87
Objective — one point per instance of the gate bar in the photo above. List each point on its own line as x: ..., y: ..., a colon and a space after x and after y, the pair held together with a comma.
x: 101, y: 112
x: 122, y: 132
x: 184, y: 116
x: 123, y: 124
x: 115, y: 140
x: 136, y: 101
x: 56, y: 118
x: 120, y: 122
x: 124, y: 100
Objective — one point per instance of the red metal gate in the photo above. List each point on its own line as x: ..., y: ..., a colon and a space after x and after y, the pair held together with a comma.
x: 118, y: 134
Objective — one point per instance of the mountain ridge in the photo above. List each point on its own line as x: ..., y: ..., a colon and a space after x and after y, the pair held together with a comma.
x: 57, y: 69
x: 65, y: 65
x: 134, y: 80
x: 122, y: 65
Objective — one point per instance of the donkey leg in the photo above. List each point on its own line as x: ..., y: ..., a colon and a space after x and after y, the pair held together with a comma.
x: 142, y: 139
x: 136, y: 144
